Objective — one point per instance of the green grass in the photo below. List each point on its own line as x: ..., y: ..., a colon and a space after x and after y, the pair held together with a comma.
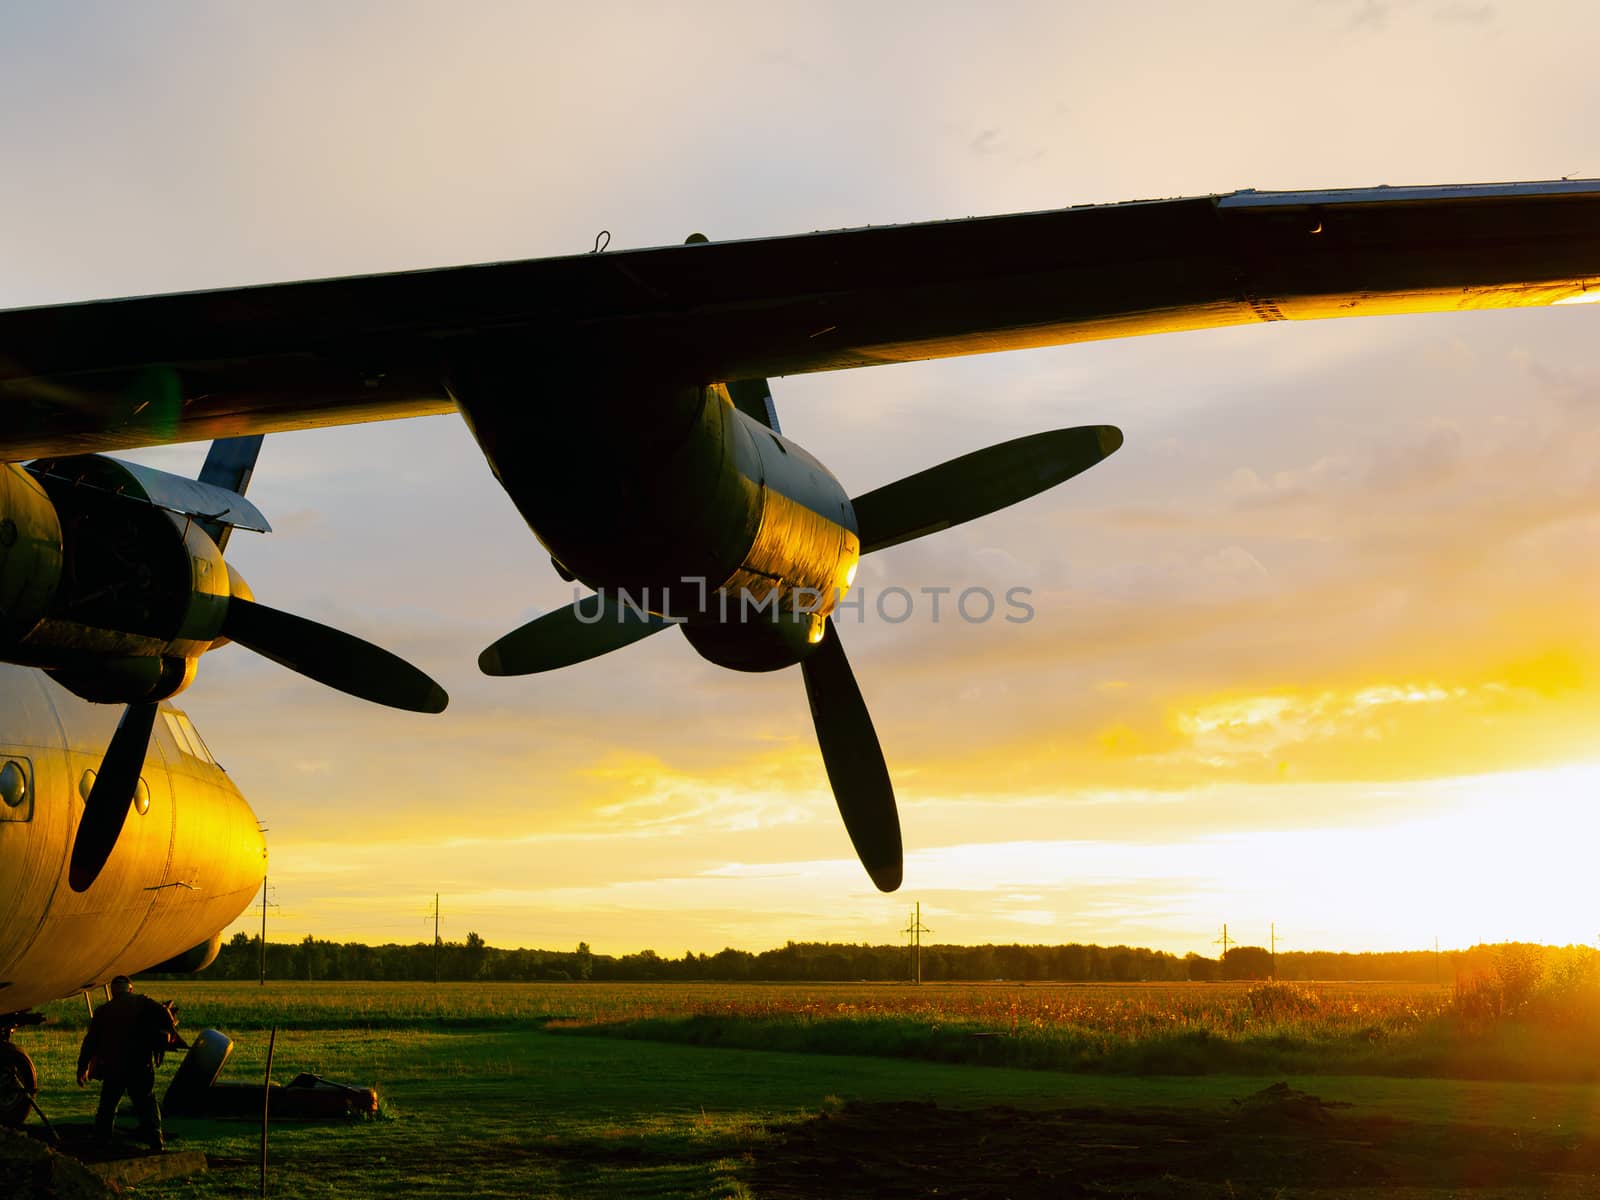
x: 1436, y: 1049
x: 1404, y: 1030
x: 496, y: 1091
x: 526, y: 1113
x: 1124, y: 1010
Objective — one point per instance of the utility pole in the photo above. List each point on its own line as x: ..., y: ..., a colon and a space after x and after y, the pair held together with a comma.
x: 436, y: 937
x: 916, y: 929
x: 265, y: 904
x: 1222, y: 963
x: 263, y: 931
x: 1274, y: 950
x: 1436, y: 960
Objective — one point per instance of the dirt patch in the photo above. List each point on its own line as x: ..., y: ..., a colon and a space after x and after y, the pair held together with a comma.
x: 30, y: 1170
x: 1281, y: 1104
x: 1277, y: 1142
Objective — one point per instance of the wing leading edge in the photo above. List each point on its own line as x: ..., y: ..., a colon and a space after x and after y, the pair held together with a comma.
x: 113, y: 374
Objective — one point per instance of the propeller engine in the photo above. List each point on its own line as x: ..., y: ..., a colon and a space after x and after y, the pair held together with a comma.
x: 110, y: 581
x: 807, y: 538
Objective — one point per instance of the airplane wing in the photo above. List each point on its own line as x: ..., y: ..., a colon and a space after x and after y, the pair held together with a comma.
x: 113, y: 374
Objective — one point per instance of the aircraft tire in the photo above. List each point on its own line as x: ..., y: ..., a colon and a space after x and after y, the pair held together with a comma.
x: 208, y: 1050
x: 19, y: 1083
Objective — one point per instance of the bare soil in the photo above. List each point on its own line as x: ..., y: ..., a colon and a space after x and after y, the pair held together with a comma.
x: 1276, y: 1143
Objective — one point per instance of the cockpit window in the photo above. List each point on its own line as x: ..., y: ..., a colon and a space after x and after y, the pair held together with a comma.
x: 177, y: 734
x: 187, y: 736
x: 201, y: 750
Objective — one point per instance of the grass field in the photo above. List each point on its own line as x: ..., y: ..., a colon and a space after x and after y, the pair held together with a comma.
x: 595, y: 1090
x: 1111, y: 1008
x: 1165, y: 1029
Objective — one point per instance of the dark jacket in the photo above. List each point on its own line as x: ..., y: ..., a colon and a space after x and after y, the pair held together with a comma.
x: 127, y: 1033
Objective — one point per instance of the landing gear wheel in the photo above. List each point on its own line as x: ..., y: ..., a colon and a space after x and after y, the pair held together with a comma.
x: 18, y: 1085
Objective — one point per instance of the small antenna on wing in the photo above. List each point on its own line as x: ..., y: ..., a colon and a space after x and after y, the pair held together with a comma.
x: 601, y: 241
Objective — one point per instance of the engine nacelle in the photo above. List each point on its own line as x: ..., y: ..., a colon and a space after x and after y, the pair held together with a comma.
x: 30, y: 553
x: 196, y: 958
x: 101, y: 584
x: 712, y: 501
x: 125, y: 680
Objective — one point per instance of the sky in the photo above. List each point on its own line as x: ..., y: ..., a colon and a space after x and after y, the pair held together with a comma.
x: 1317, y: 647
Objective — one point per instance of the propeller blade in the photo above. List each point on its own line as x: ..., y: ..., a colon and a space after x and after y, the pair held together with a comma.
x: 106, y: 807
x: 979, y: 483
x: 854, y: 761
x: 340, y: 660
x: 570, y: 635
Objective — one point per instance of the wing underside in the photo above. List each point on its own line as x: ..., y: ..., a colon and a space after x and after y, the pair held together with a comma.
x: 113, y: 374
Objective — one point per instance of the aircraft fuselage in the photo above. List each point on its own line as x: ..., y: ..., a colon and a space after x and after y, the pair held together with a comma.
x: 189, y: 860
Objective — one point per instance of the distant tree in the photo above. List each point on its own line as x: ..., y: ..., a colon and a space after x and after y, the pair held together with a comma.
x: 310, y: 964
x: 1520, y: 973
x: 1071, y: 963
x: 730, y: 964
x: 473, y: 956
x: 1247, y: 962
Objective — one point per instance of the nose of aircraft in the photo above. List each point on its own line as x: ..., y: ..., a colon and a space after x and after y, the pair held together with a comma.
x: 218, y: 845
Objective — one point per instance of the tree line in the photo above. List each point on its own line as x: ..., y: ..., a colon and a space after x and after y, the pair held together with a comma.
x: 314, y: 958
